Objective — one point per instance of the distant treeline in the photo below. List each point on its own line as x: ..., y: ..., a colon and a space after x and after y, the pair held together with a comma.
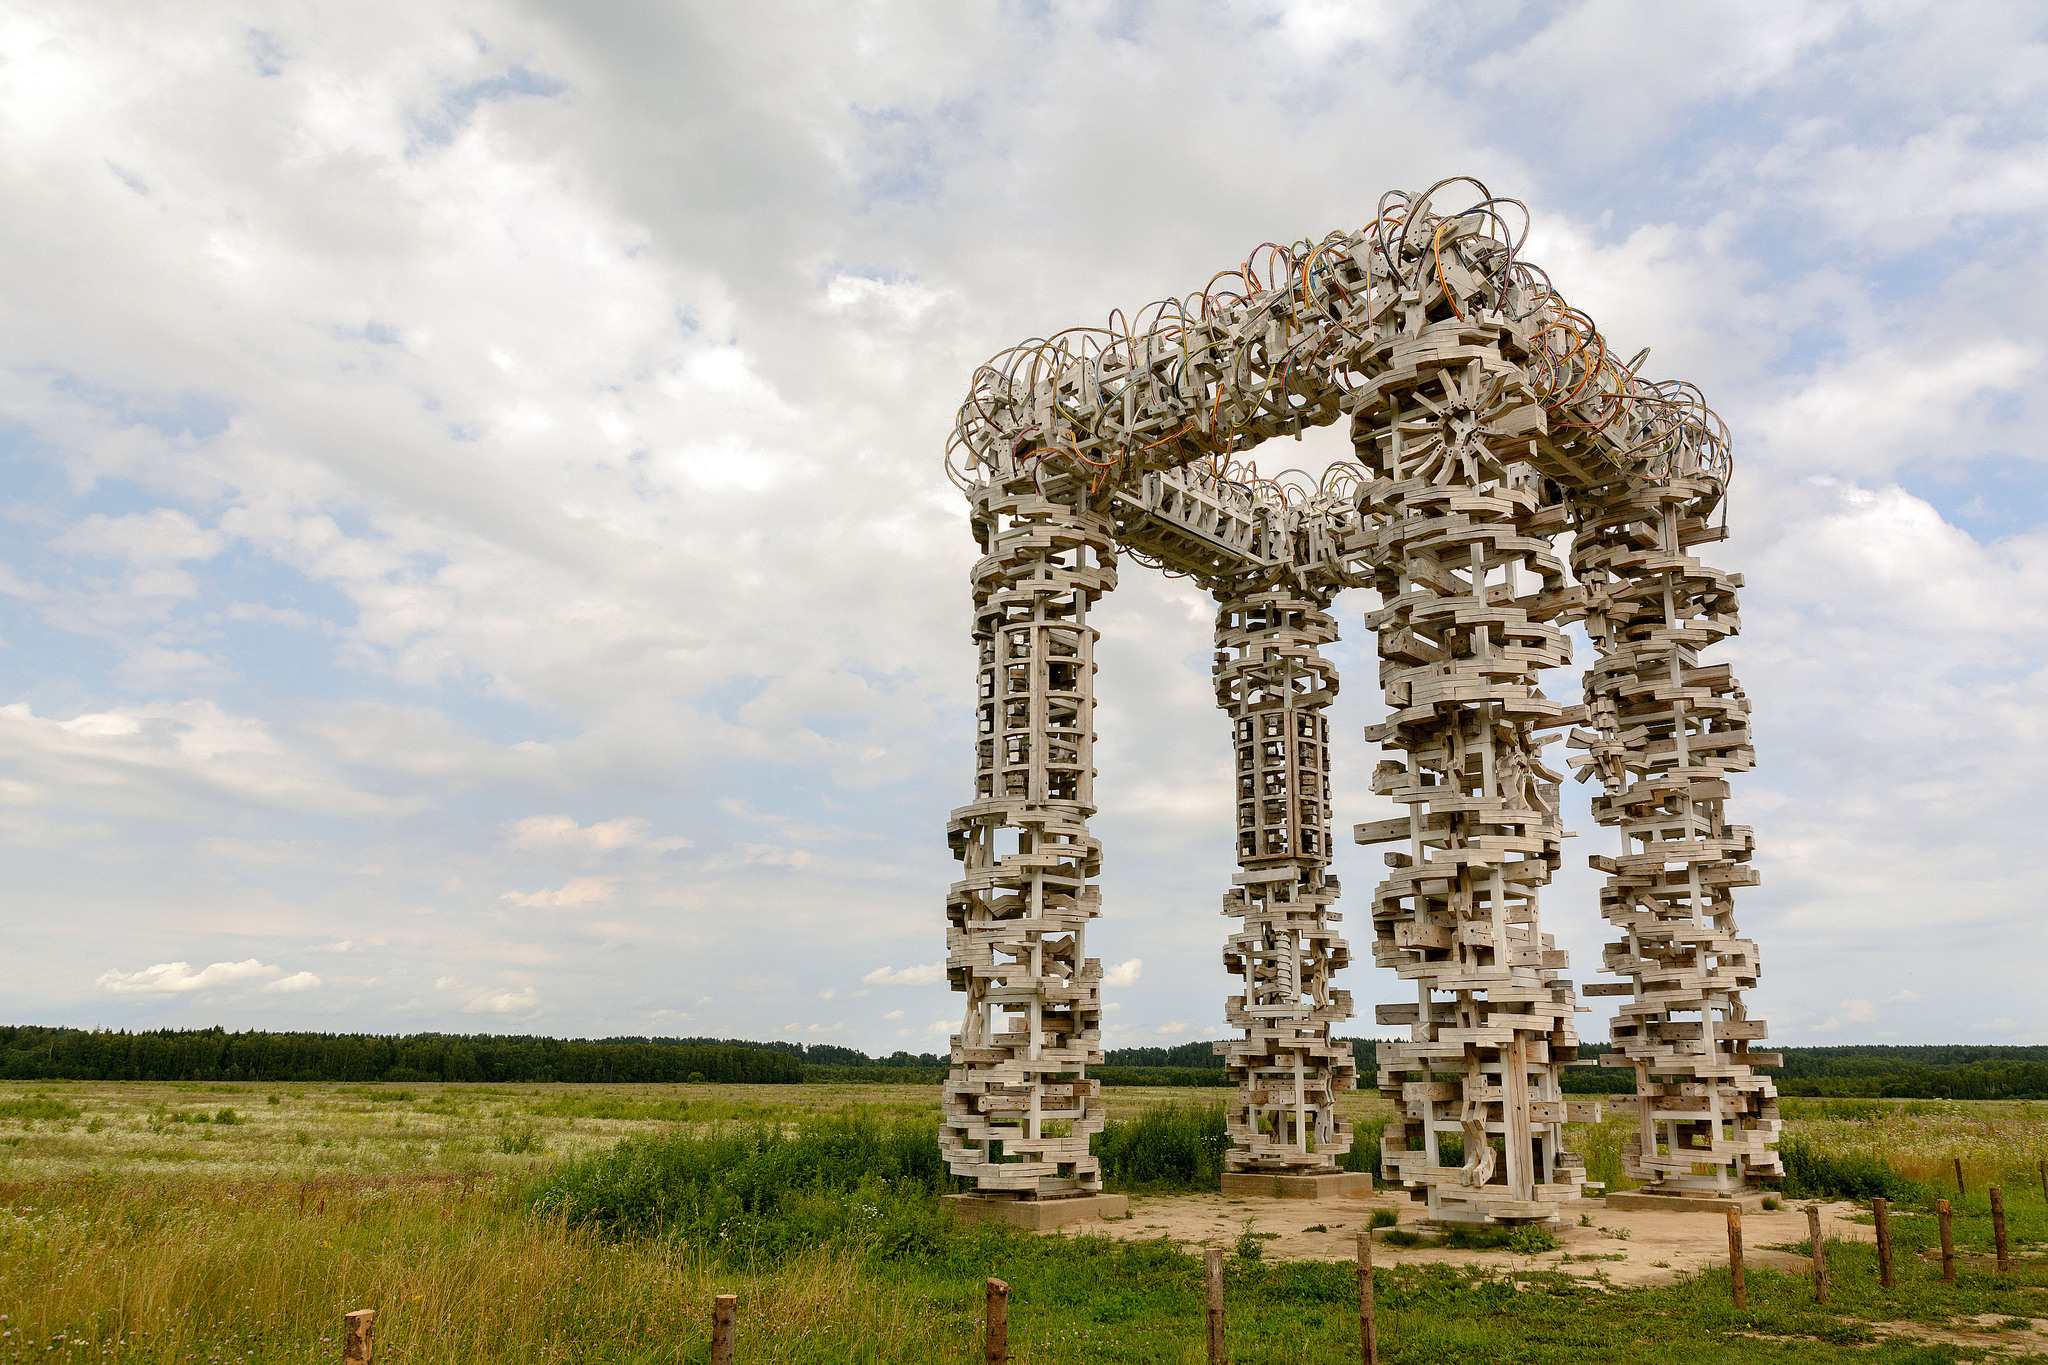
x: 1946, y: 1072
x: 217, y: 1055
x: 30, y: 1053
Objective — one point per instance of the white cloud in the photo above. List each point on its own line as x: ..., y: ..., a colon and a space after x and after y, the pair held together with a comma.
x: 489, y: 999
x: 297, y: 981
x: 570, y: 894
x: 577, y: 495
x: 176, y: 977
x: 893, y: 1014
x: 1124, y: 973
x: 907, y: 976
x: 556, y: 831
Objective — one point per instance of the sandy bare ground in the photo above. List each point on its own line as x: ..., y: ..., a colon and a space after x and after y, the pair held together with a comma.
x: 1628, y: 1248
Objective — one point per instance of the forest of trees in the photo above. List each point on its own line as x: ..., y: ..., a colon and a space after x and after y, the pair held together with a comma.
x: 28, y: 1053
x: 31, y: 1053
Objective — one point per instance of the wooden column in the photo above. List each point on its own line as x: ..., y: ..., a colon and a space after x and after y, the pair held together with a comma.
x: 1817, y: 1247
x: 1738, y: 1285
x: 724, y: 1328
x: 1998, y: 1229
x: 1213, y: 1266
x: 996, y: 1339
x: 1948, y: 1239
x: 1880, y: 1209
x: 358, y: 1336
x: 1368, y: 1317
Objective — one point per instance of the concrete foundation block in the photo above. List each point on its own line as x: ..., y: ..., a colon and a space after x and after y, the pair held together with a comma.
x: 1259, y: 1185
x: 1036, y: 1215
x: 1640, y: 1201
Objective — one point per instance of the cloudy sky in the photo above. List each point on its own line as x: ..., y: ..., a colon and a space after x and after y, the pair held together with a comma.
x: 476, y: 555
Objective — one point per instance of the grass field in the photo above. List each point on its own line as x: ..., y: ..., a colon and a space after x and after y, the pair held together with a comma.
x: 165, y: 1223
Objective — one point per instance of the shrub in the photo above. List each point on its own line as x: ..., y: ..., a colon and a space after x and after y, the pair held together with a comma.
x: 1383, y: 1218
x: 1814, y: 1173
x: 227, y: 1116
x: 40, y: 1107
x: 1365, y: 1149
x: 1170, y: 1146
x: 754, y: 1194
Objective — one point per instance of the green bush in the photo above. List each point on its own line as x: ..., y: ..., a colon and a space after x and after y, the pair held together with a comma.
x: 1383, y: 1218
x: 1812, y: 1172
x: 755, y: 1194
x: 1365, y: 1149
x: 1169, y: 1146
x: 39, y: 1107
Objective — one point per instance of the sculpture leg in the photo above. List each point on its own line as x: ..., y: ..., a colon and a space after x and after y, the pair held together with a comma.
x: 1018, y: 1109
x: 1274, y: 685
x: 1666, y: 733
x: 1462, y: 638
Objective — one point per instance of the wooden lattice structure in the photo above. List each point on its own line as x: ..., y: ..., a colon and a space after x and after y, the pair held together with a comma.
x: 1489, y: 420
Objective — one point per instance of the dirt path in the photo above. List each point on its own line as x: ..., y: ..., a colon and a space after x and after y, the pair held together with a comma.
x: 1630, y: 1248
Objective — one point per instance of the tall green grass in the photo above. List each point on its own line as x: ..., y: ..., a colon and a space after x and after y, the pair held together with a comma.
x: 1169, y: 1146
x: 759, y: 1193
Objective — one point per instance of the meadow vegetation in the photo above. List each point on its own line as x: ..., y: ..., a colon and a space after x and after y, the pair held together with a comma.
x: 166, y: 1223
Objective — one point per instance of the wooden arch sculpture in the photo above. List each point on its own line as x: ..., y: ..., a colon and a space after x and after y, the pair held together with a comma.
x: 1489, y: 419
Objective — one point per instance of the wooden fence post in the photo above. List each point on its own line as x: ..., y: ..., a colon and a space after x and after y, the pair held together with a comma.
x: 2042, y: 1166
x: 1737, y: 1285
x: 1880, y: 1209
x: 1998, y: 1229
x: 358, y: 1336
x: 1215, y: 1269
x: 996, y: 1341
x: 724, y: 1309
x: 1820, y: 1253
x: 1961, y: 1190
x: 1368, y: 1322
x: 1944, y: 1217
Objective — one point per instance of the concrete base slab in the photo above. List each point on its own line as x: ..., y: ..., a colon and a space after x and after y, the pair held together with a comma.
x: 1258, y: 1185
x: 1642, y: 1201
x: 1036, y: 1215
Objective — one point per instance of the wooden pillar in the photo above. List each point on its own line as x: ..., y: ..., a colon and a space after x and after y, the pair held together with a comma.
x: 997, y: 1338
x: 1998, y: 1229
x: 1880, y: 1210
x: 1214, y: 1268
x: 1818, y: 1248
x: 1368, y: 1321
x: 1948, y: 1240
x: 358, y: 1336
x: 1737, y: 1285
x: 724, y: 1328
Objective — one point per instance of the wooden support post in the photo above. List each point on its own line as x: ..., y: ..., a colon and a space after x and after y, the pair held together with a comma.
x: 358, y: 1336
x: 1215, y: 1269
x: 1737, y: 1285
x: 1818, y: 1246
x: 1948, y: 1240
x: 724, y: 1310
x: 1960, y: 1189
x: 1880, y: 1211
x: 2042, y: 1166
x: 1998, y: 1229
x: 997, y: 1337
x: 1368, y: 1322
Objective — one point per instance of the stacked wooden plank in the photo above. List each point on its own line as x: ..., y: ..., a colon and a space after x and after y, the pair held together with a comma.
x: 1468, y: 586
x: 1273, y: 684
x: 1018, y: 1109
x: 1665, y: 732
x: 1490, y: 417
